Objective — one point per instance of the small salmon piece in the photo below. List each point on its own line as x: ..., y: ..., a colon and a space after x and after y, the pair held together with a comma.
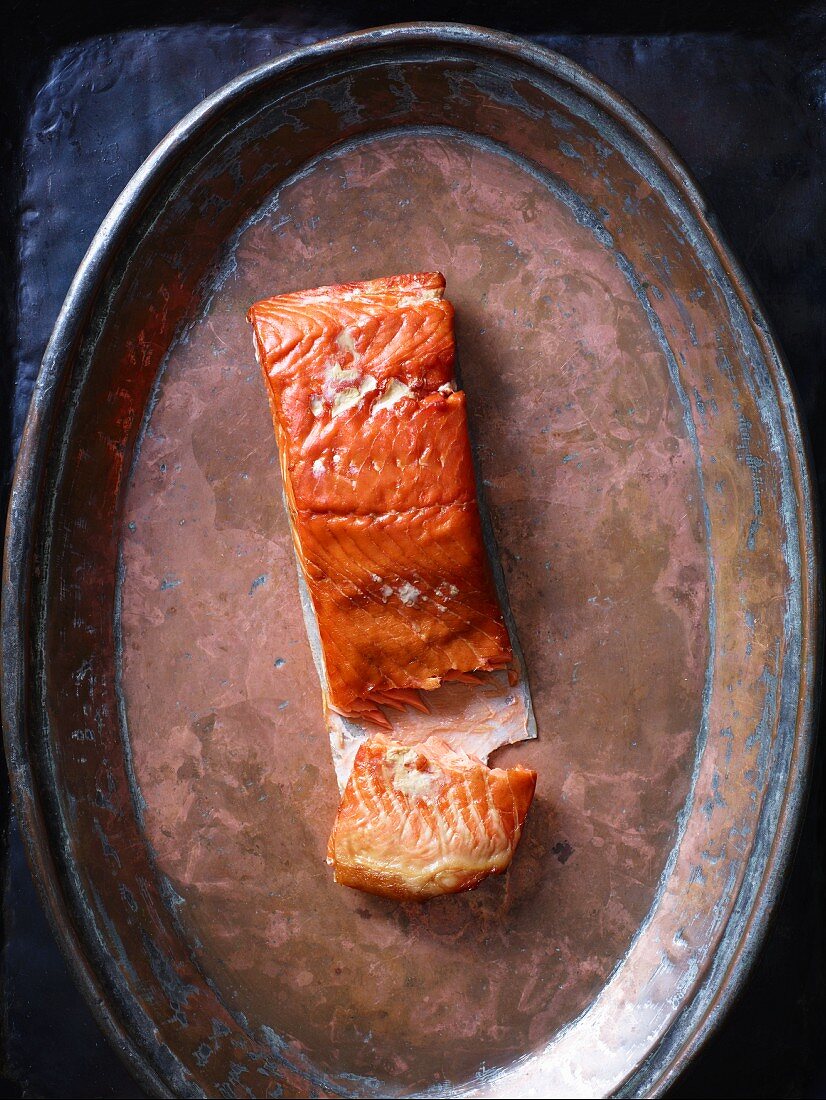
x: 417, y: 821
x: 380, y: 489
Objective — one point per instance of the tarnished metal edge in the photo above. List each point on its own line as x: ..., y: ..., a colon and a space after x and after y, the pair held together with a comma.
x: 765, y: 876
x: 724, y: 979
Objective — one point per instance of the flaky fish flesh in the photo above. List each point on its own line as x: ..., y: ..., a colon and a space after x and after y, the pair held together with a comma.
x: 416, y: 821
x: 403, y: 595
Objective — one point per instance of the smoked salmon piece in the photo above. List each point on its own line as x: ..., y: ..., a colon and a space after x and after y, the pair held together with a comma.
x: 380, y: 489
x: 421, y: 820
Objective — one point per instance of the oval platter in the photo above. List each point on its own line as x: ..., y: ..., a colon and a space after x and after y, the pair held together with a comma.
x: 647, y: 484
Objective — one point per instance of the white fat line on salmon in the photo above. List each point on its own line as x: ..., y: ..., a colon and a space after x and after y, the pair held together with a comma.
x: 446, y: 589
x: 404, y: 301
x: 347, y: 398
x: 346, y: 342
x: 336, y: 373
x: 386, y: 299
x: 411, y: 773
x: 409, y: 594
x: 394, y: 391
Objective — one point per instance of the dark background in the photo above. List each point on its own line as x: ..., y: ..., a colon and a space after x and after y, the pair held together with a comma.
x: 740, y: 92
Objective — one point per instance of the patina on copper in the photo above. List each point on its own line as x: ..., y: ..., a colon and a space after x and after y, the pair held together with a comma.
x: 643, y: 467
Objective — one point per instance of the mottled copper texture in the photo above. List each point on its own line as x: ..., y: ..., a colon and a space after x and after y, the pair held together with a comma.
x: 593, y: 490
x: 642, y: 463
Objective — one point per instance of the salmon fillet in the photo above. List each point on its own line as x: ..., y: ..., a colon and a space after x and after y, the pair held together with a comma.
x: 380, y: 489
x: 417, y: 821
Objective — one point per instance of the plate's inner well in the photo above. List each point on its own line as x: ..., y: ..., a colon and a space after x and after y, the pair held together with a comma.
x: 594, y: 495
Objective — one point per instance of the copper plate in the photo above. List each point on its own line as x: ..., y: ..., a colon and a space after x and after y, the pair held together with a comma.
x: 647, y: 484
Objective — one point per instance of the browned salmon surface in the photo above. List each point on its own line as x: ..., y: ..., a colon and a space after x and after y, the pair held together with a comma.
x: 417, y: 821
x: 379, y: 482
